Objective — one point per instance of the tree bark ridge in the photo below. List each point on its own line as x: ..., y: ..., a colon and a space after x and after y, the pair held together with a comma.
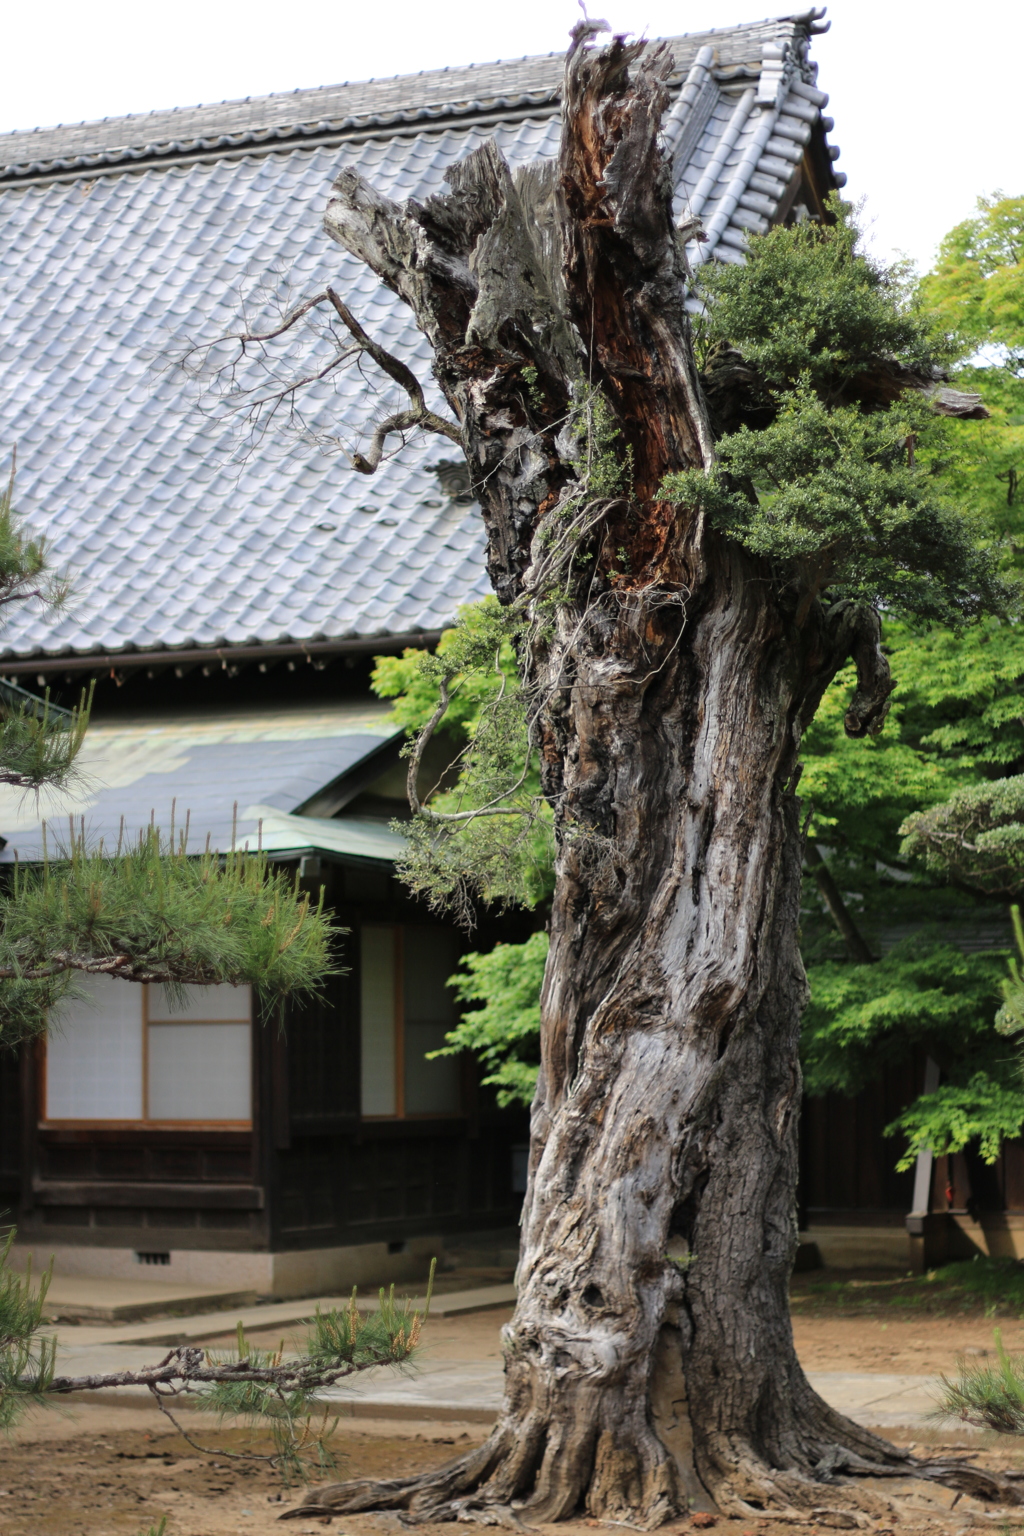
x: 673, y: 680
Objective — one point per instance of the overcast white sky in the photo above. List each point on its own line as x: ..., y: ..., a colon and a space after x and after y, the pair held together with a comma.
x: 925, y: 93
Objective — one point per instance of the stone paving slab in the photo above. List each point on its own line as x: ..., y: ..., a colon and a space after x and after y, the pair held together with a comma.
x: 214, y: 1324
x: 880, y: 1400
x: 472, y: 1390
x: 123, y: 1301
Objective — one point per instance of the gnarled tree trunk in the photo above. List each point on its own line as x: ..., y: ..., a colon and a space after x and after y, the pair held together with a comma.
x: 673, y: 677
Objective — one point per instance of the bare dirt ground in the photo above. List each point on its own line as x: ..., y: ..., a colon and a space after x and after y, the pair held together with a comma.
x: 97, y: 1471
x: 116, y: 1471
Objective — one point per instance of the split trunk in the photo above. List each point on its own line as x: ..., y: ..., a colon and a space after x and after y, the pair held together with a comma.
x: 672, y: 677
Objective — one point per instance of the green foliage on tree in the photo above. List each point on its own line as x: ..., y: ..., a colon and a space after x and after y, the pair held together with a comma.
x: 923, y: 994
x: 485, y: 830
x: 947, y: 769
x: 977, y: 285
x: 152, y: 912
x: 842, y: 500
x: 808, y: 304
x: 503, y: 1032
x: 883, y: 506
x: 848, y: 499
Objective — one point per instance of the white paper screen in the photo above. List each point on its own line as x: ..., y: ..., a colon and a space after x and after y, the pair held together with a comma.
x: 377, y: 1020
x: 94, y: 1054
x: 428, y: 959
x: 199, y: 1072
x: 207, y: 1004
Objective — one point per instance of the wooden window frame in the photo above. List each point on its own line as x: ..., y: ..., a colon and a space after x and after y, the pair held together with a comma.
x: 397, y: 931
x: 81, y: 1123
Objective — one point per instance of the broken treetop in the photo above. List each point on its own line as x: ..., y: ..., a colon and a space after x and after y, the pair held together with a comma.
x: 120, y: 239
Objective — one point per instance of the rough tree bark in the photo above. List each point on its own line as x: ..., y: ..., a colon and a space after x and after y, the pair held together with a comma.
x: 673, y: 680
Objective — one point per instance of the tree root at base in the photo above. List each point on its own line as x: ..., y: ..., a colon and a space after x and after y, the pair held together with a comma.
x: 508, y: 1481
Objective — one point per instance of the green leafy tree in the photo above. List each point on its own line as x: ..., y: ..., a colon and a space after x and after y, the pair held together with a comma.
x: 947, y: 770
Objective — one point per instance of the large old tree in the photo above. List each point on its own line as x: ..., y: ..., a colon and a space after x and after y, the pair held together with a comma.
x: 672, y: 654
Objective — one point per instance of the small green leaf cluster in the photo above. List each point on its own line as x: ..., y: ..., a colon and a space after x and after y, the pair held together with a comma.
x: 983, y: 1112
x: 504, y: 1031
x: 505, y: 858
x: 604, y: 470
x: 809, y: 304
x: 830, y: 493
x: 975, y: 837
x: 477, y: 654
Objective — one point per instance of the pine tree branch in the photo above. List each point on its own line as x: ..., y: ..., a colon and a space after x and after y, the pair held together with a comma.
x: 185, y: 1367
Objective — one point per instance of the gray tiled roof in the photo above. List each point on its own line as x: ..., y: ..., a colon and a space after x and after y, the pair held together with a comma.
x: 119, y: 238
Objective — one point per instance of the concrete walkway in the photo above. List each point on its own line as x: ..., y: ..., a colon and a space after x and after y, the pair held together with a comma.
x: 123, y: 1301
x: 471, y: 1391
x: 201, y: 1327
x: 468, y: 1390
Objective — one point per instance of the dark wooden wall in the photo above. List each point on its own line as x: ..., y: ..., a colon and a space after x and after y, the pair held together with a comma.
x: 11, y: 1129
x: 336, y: 1178
x: 847, y: 1163
x: 311, y: 1173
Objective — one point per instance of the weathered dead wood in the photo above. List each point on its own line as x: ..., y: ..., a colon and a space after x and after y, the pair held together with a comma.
x: 674, y: 681
x: 737, y: 396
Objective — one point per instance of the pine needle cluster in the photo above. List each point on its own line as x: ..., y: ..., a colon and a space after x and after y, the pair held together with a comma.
x: 153, y: 912
x: 987, y: 1396
x: 26, y: 1358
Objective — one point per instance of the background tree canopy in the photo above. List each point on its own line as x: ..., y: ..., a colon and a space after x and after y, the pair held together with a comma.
x: 896, y: 818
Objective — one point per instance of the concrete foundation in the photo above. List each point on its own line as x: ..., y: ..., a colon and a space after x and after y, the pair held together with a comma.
x: 943, y: 1237
x: 304, y: 1272
x: 860, y: 1247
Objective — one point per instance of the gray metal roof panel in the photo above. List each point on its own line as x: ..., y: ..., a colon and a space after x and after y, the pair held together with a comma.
x: 215, y: 766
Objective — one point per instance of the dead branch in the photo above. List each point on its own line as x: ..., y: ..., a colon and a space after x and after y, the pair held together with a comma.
x: 260, y: 403
x: 185, y: 1367
x: 493, y: 808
